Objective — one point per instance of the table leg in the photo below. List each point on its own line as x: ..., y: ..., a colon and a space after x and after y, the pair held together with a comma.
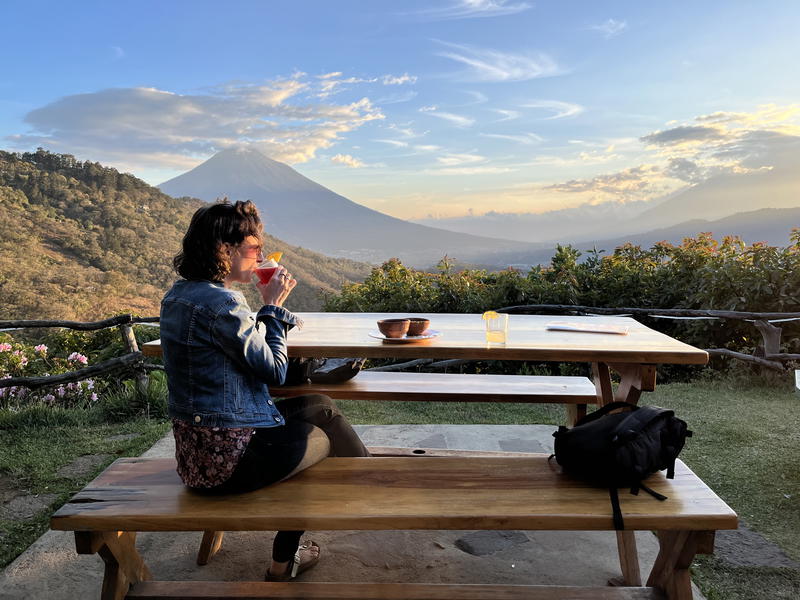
x: 212, y: 540
x: 602, y: 383
x: 123, y: 563
x: 634, y: 379
x: 677, y: 550
x: 628, y: 560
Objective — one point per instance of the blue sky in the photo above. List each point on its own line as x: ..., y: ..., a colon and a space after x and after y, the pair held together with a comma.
x: 412, y: 108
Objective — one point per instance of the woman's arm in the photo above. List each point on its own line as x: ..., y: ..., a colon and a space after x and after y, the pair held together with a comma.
x: 256, y: 343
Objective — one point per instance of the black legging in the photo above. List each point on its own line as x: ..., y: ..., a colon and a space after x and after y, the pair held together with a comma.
x: 314, y: 429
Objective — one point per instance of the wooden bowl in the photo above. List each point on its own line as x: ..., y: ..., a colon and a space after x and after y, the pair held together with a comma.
x: 394, y: 328
x: 418, y: 326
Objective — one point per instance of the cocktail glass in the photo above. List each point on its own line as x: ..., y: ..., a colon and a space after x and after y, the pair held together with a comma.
x: 266, y: 269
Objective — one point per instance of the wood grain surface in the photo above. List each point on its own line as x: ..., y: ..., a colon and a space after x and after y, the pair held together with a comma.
x: 155, y: 590
x: 137, y: 494
x: 462, y: 336
x: 455, y: 387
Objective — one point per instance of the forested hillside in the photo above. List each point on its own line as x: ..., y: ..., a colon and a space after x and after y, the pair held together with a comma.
x: 82, y: 241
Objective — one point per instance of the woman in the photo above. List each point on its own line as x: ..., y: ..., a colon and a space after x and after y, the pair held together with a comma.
x: 230, y: 435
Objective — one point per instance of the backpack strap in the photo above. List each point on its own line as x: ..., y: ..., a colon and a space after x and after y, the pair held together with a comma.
x: 605, y: 409
x: 619, y: 524
x: 652, y: 492
x: 638, y: 420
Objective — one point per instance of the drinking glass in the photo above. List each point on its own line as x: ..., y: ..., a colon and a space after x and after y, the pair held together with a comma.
x: 497, y: 328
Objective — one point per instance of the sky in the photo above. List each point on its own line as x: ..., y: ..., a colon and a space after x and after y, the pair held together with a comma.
x: 417, y: 109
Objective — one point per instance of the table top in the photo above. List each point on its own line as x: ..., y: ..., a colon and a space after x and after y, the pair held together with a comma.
x: 463, y: 336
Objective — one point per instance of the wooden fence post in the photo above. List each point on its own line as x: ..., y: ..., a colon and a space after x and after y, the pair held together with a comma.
x: 140, y: 374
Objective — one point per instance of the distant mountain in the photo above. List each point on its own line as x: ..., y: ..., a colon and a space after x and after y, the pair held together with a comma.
x: 726, y: 195
x: 81, y: 241
x: 310, y: 215
x: 770, y: 225
x: 577, y: 224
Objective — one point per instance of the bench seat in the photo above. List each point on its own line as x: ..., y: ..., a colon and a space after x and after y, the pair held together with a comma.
x: 388, y: 493
x: 452, y: 387
x: 145, y: 494
x: 159, y: 590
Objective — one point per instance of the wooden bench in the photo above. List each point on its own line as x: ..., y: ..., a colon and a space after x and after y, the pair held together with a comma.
x: 575, y: 392
x: 384, y: 493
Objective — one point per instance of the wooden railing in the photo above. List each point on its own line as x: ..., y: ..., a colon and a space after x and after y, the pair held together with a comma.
x: 132, y: 361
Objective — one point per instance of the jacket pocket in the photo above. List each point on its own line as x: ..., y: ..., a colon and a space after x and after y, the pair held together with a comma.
x: 235, y: 391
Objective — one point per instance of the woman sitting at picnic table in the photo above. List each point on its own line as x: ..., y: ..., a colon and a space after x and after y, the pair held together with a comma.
x: 219, y: 357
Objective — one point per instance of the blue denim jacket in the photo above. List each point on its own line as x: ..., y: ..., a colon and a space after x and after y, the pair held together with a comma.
x: 219, y: 358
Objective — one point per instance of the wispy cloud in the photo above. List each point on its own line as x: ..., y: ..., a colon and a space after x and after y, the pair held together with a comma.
x: 398, y: 79
x: 334, y: 82
x: 481, y: 170
x: 527, y: 139
x: 395, y: 143
x: 347, y: 161
x: 610, y: 28
x: 457, y: 120
x: 157, y: 128
x: 506, y: 115
x: 117, y: 53
x: 485, y: 64
x: 452, y: 160
x: 560, y: 109
x: 472, y: 9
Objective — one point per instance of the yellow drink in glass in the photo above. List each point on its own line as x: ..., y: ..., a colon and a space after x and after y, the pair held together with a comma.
x: 496, y: 327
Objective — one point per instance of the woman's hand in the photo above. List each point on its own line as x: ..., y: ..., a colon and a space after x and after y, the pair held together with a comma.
x: 278, y: 288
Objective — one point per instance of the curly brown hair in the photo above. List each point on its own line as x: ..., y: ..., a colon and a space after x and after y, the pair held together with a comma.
x: 203, y: 254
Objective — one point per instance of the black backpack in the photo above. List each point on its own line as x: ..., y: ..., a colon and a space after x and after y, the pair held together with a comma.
x: 621, y: 449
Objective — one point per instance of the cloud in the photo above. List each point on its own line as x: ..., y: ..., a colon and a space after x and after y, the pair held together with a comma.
x: 471, y: 9
x: 685, y: 134
x: 524, y: 138
x: 141, y: 124
x: 610, y: 28
x: 333, y: 83
x: 560, y: 109
x: 457, y: 120
x: 395, y: 143
x: 765, y: 139
x: 347, y: 160
x: 484, y: 64
x: 117, y: 53
x: 632, y: 183
x: 508, y: 115
x: 451, y: 160
x: 485, y: 170
x: 398, y: 80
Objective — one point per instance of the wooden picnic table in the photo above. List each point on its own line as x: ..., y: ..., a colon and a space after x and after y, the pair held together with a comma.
x: 634, y: 355
x: 462, y: 336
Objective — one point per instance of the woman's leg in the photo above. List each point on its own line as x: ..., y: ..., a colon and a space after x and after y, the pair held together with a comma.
x: 320, y: 411
x: 274, y: 454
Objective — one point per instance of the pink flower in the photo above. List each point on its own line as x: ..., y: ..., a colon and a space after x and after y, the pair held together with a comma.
x: 41, y: 348
x: 5, y: 347
x: 23, y: 360
x: 94, y: 397
x: 49, y: 398
x: 78, y: 357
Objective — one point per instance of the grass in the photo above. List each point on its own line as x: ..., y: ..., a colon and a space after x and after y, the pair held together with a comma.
x: 746, y: 447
